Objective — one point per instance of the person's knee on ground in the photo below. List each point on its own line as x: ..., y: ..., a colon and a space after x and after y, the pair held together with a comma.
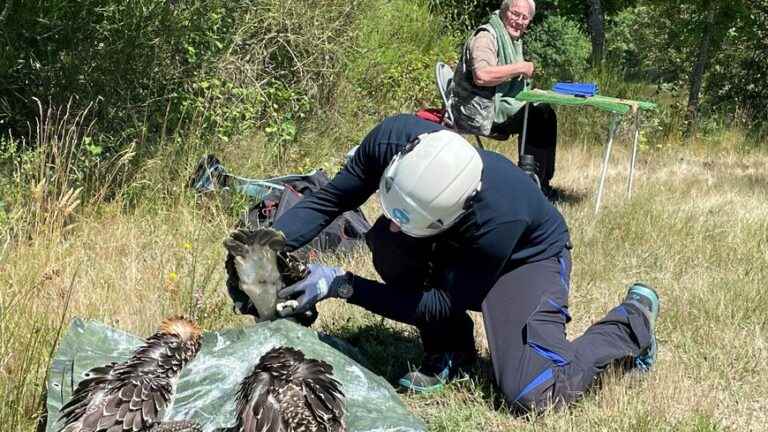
x: 554, y: 387
x: 567, y: 378
x: 549, y: 372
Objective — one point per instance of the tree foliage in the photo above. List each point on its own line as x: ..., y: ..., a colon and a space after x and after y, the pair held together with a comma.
x: 224, y: 65
x: 559, y: 49
x: 229, y: 66
x: 738, y: 76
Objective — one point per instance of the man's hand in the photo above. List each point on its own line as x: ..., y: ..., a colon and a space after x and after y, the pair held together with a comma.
x: 527, y: 69
x: 316, y: 287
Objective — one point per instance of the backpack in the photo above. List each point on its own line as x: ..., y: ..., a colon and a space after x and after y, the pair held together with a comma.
x: 271, y: 198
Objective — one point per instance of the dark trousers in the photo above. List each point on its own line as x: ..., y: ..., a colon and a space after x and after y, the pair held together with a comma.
x: 541, y: 137
x: 525, y: 315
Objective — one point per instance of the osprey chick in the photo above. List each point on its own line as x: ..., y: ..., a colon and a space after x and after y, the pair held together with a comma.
x: 132, y: 396
x: 258, y: 265
x: 286, y: 392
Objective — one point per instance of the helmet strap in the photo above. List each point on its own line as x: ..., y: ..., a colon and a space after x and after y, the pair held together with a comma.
x: 471, y: 198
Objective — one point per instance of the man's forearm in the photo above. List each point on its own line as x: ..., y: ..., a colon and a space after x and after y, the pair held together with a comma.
x: 491, y: 76
x: 408, y: 305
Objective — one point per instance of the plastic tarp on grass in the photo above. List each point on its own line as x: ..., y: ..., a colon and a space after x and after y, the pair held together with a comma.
x: 615, y: 105
x: 207, y: 386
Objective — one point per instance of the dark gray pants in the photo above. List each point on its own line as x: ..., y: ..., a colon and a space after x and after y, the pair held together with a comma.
x: 525, y: 315
x: 541, y: 139
x: 535, y: 366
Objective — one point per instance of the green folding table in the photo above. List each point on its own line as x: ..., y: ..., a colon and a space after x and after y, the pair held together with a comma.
x: 617, y: 107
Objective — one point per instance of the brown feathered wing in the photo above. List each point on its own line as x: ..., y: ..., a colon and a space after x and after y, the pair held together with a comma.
x: 130, y: 396
x: 287, y: 393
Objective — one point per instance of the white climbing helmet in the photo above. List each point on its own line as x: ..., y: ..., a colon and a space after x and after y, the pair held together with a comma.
x: 429, y: 184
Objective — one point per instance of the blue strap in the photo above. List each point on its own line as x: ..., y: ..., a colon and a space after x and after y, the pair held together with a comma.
x: 561, y: 309
x: 548, y: 354
x: 563, y: 280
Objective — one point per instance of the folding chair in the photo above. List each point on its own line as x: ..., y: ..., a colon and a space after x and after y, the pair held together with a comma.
x: 444, y: 80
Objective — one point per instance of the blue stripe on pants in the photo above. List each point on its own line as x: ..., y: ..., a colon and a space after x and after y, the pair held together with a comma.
x: 543, y: 377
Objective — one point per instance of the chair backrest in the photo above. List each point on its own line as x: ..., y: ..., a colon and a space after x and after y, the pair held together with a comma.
x: 444, y: 78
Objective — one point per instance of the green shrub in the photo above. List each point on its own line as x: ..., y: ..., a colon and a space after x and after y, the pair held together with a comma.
x: 648, y: 44
x: 559, y: 49
x: 397, y: 46
x: 736, y: 86
x: 155, y: 66
x: 465, y: 14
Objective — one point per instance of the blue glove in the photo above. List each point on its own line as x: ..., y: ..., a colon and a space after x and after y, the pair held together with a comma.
x: 317, y: 286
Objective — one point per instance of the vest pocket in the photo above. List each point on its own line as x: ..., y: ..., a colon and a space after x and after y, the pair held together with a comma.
x: 475, y: 116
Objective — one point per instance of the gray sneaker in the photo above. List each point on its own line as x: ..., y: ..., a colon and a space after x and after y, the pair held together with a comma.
x: 436, y: 370
x: 646, y: 299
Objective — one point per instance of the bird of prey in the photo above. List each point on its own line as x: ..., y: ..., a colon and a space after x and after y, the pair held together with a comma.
x: 132, y: 396
x: 258, y: 265
x: 287, y: 392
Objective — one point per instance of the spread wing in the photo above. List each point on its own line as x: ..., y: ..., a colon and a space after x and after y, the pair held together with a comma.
x: 322, y: 393
x: 257, y: 408
x: 96, y: 382
x: 113, y: 400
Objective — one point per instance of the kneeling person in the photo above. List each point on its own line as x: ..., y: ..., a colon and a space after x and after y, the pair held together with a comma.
x: 465, y: 229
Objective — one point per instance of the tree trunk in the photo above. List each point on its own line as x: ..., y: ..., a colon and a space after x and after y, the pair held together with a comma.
x: 697, y: 74
x: 595, y: 23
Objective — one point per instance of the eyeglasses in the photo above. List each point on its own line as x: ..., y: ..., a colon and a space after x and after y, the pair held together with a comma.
x: 517, y: 16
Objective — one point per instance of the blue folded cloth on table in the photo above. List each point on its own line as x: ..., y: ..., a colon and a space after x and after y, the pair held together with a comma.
x: 575, y: 88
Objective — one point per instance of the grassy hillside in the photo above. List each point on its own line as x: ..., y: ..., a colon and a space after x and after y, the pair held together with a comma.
x: 696, y: 228
x: 95, y: 220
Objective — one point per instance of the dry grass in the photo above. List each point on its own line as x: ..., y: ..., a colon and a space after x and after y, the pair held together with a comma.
x: 696, y: 228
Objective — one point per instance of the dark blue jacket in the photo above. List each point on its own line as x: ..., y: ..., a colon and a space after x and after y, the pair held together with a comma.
x: 510, y: 222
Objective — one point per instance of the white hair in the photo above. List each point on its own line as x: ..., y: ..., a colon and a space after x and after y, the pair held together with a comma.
x: 506, y: 4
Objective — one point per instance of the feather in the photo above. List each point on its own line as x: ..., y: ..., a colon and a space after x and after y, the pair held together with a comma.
x: 178, y: 426
x: 132, y: 396
x: 105, y: 422
x: 257, y: 408
x: 138, y: 422
x: 128, y: 420
x: 149, y: 410
x: 122, y: 412
x: 287, y: 392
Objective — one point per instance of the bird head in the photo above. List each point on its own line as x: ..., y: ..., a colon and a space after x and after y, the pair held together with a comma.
x: 187, y: 333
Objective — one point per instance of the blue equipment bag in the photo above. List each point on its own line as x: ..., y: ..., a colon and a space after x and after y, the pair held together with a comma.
x: 575, y: 89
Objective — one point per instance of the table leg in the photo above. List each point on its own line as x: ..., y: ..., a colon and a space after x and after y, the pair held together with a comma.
x: 525, y: 131
x: 634, y: 154
x: 601, y: 184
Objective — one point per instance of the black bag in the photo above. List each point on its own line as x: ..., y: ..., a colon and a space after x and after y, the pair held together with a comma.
x: 273, y: 197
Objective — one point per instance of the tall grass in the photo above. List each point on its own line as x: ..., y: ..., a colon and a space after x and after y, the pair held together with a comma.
x: 102, y: 226
x: 695, y: 229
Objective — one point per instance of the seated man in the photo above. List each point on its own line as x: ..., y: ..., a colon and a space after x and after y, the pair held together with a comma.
x: 465, y: 229
x: 490, y: 73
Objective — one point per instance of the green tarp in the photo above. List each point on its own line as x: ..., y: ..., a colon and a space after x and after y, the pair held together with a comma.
x: 208, y: 384
x: 615, y: 105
